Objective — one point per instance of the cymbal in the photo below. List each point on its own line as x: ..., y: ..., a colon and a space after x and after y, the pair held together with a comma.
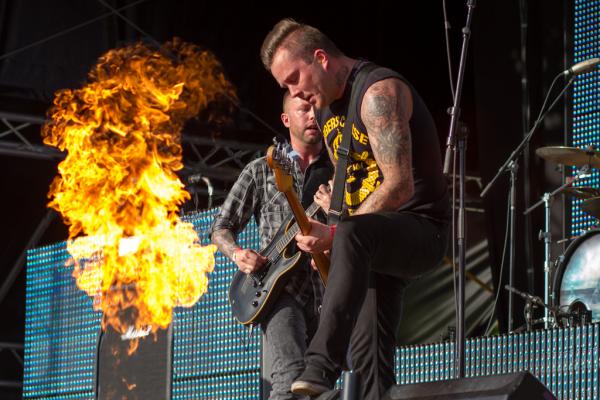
x: 572, y: 156
x: 592, y: 206
x: 582, y: 192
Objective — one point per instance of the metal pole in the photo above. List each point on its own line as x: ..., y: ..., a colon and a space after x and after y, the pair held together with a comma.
x: 351, y: 386
x: 451, y: 146
x: 513, y: 167
x: 547, y: 236
x: 461, y: 249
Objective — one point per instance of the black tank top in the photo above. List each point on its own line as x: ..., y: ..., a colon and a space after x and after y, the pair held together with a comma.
x: 431, y: 192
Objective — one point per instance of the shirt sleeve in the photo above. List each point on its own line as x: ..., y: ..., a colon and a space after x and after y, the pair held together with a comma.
x: 239, y: 205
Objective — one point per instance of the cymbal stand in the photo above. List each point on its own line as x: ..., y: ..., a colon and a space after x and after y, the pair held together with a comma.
x: 546, y: 236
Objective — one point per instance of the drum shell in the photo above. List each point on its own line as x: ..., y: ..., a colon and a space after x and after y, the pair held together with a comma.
x: 578, y: 274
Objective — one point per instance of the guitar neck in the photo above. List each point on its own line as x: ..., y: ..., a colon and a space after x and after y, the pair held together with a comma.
x: 289, y: 235
x: 298, y: 211
x: 321, y: 260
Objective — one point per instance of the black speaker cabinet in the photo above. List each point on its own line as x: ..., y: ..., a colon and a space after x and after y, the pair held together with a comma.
x: 517, y: 386
x: 143, y: 375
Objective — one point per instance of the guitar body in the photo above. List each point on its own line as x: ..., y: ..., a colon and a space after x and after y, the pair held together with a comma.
x: 252, y: 296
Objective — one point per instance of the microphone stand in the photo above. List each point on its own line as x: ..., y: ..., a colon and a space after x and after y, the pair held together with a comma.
x: 450, y: 151
x: 511, y: 165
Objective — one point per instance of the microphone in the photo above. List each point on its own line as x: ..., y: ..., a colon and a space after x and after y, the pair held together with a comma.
x: 462, y: 130
x: 448, y: 159
x: 582, y: 67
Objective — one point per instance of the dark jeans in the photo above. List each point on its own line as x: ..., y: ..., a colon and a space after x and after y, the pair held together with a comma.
x: 372, y: 258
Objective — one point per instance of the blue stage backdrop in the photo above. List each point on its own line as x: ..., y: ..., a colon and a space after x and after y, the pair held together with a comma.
x: 578, y: 274
x: 212, y: 359
x: 585, y: 106
x: 211, y: 356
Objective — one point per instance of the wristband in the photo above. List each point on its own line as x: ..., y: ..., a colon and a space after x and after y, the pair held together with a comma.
x: 332, y: 232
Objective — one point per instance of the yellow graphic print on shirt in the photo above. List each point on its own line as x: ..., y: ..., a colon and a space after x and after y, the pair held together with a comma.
x: 363, y: 175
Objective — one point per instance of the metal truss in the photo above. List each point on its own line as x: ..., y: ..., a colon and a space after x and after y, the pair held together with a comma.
x: 219, y: 161
x: 216, y: 164
x: 16, y: 349
x: 13, y: 138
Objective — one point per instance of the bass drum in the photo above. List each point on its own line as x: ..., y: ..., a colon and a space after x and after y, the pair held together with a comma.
x: 578, y: 275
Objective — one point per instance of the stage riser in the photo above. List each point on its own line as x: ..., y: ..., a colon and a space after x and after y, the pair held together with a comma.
x: 210, y: 358
x: 565, y: 360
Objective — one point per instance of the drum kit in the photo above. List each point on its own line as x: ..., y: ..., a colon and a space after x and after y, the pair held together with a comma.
x: 572, y: 280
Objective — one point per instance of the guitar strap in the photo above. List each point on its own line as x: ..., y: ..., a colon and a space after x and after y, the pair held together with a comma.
x: 339, y: 180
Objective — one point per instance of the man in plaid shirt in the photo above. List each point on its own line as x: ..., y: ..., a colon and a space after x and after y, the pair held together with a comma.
x: 292, y: 321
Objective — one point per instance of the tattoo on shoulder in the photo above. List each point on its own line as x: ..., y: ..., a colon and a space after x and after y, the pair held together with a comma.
x: 386, y: 114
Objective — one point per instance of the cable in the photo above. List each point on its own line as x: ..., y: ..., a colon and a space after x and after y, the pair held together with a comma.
x: 543, y: 113
x: 449, y: 58
x: 499, y: 288
x: 569, y: 83
x: 548, y: 96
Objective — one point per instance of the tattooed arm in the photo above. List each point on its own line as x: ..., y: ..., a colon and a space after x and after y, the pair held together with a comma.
x: 225, y: 241
x: 386, y: 110
x: 235, y: 213
x: 247, y: 260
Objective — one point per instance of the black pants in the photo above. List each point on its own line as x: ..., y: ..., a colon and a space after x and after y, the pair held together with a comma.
x: 372, y: 258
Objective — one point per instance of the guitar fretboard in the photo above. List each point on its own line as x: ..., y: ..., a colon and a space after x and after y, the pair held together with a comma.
x: 287, y: 238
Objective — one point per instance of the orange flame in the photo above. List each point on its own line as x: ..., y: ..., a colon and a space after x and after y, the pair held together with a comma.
x: 118, y: 186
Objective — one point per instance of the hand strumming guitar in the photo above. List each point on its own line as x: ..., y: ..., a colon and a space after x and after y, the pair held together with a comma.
x: 248, y: 260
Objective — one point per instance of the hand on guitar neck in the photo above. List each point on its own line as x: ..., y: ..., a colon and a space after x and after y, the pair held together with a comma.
x: 323, y: 198
x: 318, y: 240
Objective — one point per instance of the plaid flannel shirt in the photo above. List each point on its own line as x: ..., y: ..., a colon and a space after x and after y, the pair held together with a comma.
x: 255, y: 194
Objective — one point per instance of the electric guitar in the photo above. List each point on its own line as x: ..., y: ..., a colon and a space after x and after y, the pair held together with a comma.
x: 252, y: 295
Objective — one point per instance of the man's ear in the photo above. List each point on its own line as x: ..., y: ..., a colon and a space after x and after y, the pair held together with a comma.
x: 321, y: 57
x: 285, y: 119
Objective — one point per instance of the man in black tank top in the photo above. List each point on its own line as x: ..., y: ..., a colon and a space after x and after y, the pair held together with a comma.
x: 396, y: 201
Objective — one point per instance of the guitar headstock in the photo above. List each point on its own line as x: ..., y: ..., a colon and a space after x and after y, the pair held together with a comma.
x: 280, y: 158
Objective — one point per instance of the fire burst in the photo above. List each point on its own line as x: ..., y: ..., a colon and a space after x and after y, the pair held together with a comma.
x: 117, y: 185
